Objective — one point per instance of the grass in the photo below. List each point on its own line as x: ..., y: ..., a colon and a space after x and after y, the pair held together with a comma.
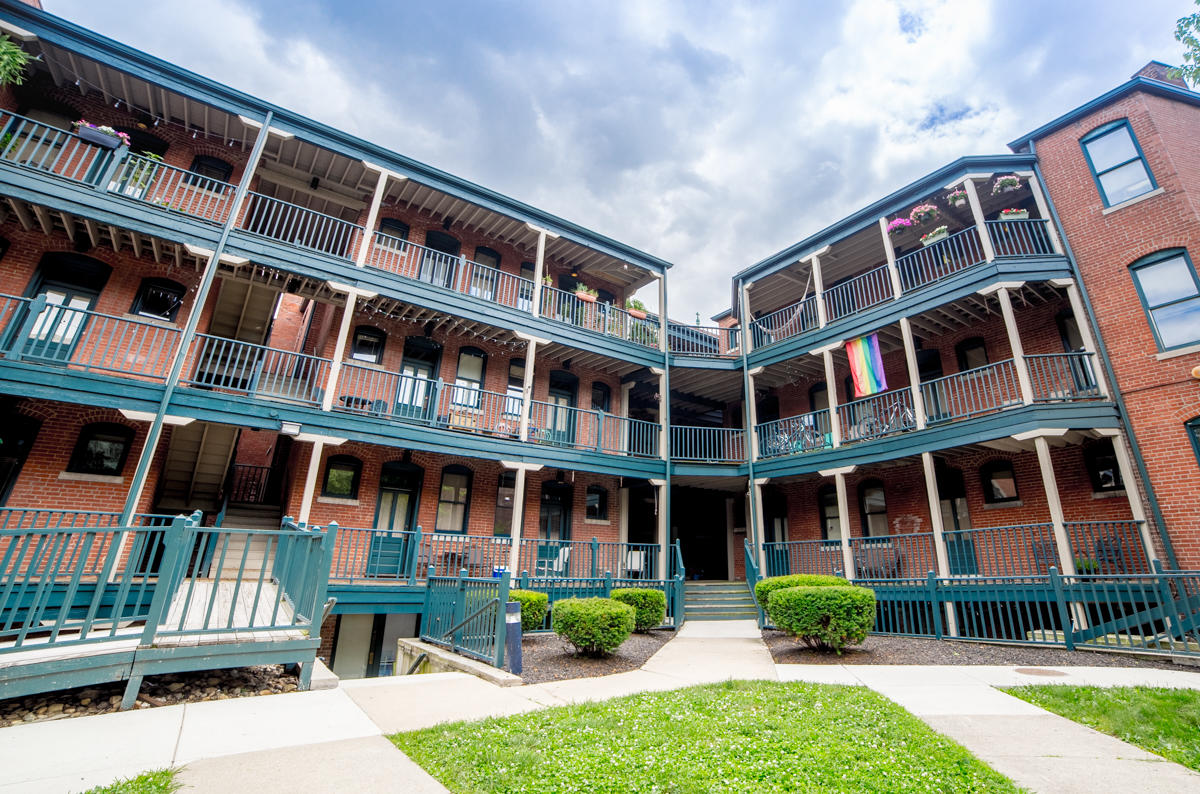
x: 1162, y: 721
x: 160, y: 781
x: 737, y: 736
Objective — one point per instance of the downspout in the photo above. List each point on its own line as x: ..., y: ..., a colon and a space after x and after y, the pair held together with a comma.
x: 744, y: 325
x: 150, y: 446
x: 1106, y: 362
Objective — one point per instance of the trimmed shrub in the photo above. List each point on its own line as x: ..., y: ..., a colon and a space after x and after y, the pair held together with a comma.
x: 829, y: 618
x: 649, y: 606
x: 534, y: 607
x: 764, y: 587
x: 595, y: 626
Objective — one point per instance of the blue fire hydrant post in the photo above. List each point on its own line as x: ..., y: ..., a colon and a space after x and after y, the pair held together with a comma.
x: 512, y: 636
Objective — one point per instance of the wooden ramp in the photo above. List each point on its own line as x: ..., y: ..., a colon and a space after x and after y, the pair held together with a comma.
x: 205, y: 611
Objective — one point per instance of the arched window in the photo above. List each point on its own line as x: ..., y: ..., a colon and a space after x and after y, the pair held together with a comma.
x: 342, y: 476
x: 1101, y: 461
x: 872, y: 505
x: 999, y: 482
x: 439, y: 262
x: 971, y: 353
x: 1169, y: 288
x: 468, y: 380
x: 1193, y: 431
x: 454, y: 499
x: 1116, y: 162
x: 210, y: 167
x: 601, y: 397
x: 159, y: 298
x: 102, y: 448
x: 597, y: 503
x: 829, y: 516
x: 368, y: 344
x: 506, y: 490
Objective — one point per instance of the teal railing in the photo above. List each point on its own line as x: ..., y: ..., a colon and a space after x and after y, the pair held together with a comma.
x: 859, y: 293
x: 55, y: 518
x: 704, y: 341
x: 295, y: 225
x: 1029, y: 237
x: 603, y: 318
x: 893, y: 556
x: 1020, y: 550
x: 792, y: 435
x: 587, y: 559
x: 557, y: 589
x: 32, y: 144
x: 931, y: 263
x: 752, y: 578
x: 245, y: 368
x: 879, y: 415
x: 576, y: 428
x: 972, y: 392
x: 803, y: 556
x: 1108, y: 547
x: 156, y: 183
x: 466, y: 615
x: 785, y: 323
x: 708, y: 444
x: 1062, y: 377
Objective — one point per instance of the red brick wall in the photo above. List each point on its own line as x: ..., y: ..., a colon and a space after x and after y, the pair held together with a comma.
x: 1160, y: 394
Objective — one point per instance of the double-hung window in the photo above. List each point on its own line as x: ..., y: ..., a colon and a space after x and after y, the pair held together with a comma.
x: 1169, y: 288
x: 1117, y: 163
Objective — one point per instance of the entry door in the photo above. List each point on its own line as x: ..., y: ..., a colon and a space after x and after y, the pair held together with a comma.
x: 393, y: 516
x: 412, y: 398
x: 960, y: 547
x: 59, y: 325
x: 440, y: 259
x: 15, y: 443
x: 929, y: 367
x: 560, y: 424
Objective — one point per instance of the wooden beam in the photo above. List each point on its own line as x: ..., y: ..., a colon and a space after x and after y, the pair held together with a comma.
x: 115, y: 238
x: 68, y: 223
x: 22, y: 212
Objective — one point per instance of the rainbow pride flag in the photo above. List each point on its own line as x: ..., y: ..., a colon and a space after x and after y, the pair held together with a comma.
x: 866, y: 365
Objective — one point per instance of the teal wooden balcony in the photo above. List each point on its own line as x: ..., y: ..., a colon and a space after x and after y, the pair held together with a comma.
x: 243, y: 368
x: 292, y: 224
x: 601, y: 318
x: 708, y: 444
x: 808, y: 432
x: 704, y: 341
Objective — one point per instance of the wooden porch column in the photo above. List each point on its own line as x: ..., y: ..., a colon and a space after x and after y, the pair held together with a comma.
x: 1014, y: 342
x: 1066, y: 558
x: 942, y: 560
x: 839, y: 480
x: 760, y: 551
x: 914, y: 372
x: 752, y: 412
x: 1035, y: 187
x: 893, y: 271
x: 539, y: 268
x: 663, y: 531
x: 310, y: 481
x: 364, y: 245
x: 531, y: 344
x: 835, y: 424
x: 518, y: 515
x: 1133, y: 493
x: 985, y: 239
x: 819, y: 283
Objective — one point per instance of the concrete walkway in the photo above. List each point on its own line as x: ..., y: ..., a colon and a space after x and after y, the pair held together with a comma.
x: 333, y: 740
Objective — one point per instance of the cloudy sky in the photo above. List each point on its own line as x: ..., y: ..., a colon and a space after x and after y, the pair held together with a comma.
x: 710, y: 134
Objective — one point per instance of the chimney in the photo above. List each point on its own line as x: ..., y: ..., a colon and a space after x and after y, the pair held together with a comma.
x: 1156, y: 70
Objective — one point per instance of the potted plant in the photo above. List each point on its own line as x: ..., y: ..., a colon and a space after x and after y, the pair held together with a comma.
x: 586, y: 294
x: 923, y: 213
x: 1014, y: 214
x: 898, y: 225
x: 957, y: 197
x: 1005, y: 184
x: 1086, y: 565
x: 636, y: 308
x: 105, y: 137
x: 940, y: 233
x: 143, y: 170
x: 548, y: 281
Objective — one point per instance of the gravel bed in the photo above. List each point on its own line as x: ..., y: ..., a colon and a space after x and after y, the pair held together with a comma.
x: 548, y: 657
x: 157, y: 690
x: 879, y: 649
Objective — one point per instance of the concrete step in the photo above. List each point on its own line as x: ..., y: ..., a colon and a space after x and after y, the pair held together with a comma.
x: 718, y: 608
x: 721, y: 616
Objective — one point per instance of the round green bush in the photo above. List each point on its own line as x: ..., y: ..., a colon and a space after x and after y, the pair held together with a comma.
x: 649, y: 606
x: 595, y: 626
x: 534, y: 607
x: 764, y: 588
x: 829, y: 618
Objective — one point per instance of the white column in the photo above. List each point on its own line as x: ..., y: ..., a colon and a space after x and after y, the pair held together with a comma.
x: 1039, y: 199
x: 539, y: 267
x: 364, y: 245
x: 819, y: 281
x: 744, y: 319
x: 310, y: 481
x: 1066, y: 560
x: 527, y: 388
x: 1085, y: 333
x: 985, y: 239
x: 1014, y: 342
x: 893, y: 271
x: 752, y: 411
x: 663, y: 531
x: 518, y: 520
x: 663, y: 323
x: 835, y: 425
x: 1133, y: 493
x: 939, y: 539
x: 664, y: 432
x: 760, y: 528
x: 843, y: 501
x: 914, y: 372
x: 623, y: 515
x: 339, y: 351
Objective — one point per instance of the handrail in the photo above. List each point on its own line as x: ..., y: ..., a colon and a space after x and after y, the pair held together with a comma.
x: 879, y: 415
x: 930, y: 263
x: 154, y: 182
x: 808, y: 432
x: 293, y: 224
x: 605, y: 318
x: 858, y: 293
x: 1024, y: 237
x: 971, y: 392
x: 1062, y: 376
x: 706, y: 341
x: 493, y: 602
x: 708, y: 444
x: 792, y: 320
x: 32, y: 144
x: 248, y: 368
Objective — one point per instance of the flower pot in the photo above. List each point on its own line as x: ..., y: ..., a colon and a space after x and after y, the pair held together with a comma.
x: 962, y: 202
x: 101, y: 139
x: 1023, y: 215
x: 935, y: 238
x: 586, y: 298
x: 637, y: 314
x: 1009, y: 188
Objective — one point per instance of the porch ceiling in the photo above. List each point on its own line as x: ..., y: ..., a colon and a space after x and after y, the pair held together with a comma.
x: 581, y: 359
x: 709, y: 483
x: 719, y: 386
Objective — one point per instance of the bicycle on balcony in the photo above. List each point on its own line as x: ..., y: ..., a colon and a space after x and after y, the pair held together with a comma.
x: 804, y: 439
x: 894, y: 418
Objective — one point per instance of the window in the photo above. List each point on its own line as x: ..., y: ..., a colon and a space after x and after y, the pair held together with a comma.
x: 101, y: 449
x: 1170, y: 291
x: 469, y: 380
x: 483, y: 279
x: 210, y: 168
x: 601, y: 397
x: 999, y: 482
x: 1193, y: 430
x: 516, y: 387
x: 439, y: 261
x: 525, y: 287
x: 453, y: 499
x: 1068, y: 330
x: 159, y: 298
x: 971, y: 353
x: 872, y: 503
x: 392, y: 234
x: 818, y: 397
x: 831, y: 522
x: 1117, y: 163
x: 368, y: 344
x: 506, y: 490
x: 342, y: 474
x: 1101, y: 462
x: 597, y: 503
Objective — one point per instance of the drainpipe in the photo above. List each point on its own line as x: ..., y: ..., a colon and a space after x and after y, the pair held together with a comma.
x: 1159, y: 522
x: 189, y: 332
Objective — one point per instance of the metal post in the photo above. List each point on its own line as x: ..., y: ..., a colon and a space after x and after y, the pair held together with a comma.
x: 512, y: 636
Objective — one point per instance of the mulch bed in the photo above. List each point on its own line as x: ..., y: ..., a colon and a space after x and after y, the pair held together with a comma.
x: 880, y: 649
x: 156, y: 690
x: 548, y: 657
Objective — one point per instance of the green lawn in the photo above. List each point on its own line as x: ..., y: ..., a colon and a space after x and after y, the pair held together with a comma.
x: 738, y: 736
x: 160, y: 781
x: 1163, y: 721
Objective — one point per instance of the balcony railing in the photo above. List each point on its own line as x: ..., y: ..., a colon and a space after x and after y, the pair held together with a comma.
x: 926, y: 265
x: 567, y: 559
x: 893, y: 556
x: 859, y: 293
x: 1019, y: 550
x: 295, y: 225
x: 803, y: 556
x: 795, y: 434
x: 704, y: 341
x: 1062, y: 376
x: 31, y: 144
x: 161, y: 185
x: 1107, y: 547
x: 250, y: 484
x: 708, y: 444
x: 575, y: 428
x: 76, y: 338
x: 603, y: 318
x: 787, y: 322
x: 879, y: 415
x: 1030, y: 237
x: 972, y: 392
x: 457, y: 273
x: 245, y: 368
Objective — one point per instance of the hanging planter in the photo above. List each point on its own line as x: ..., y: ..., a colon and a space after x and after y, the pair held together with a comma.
x: 636, y: 309
x: 1014, y: 215
x: 957, y: 198
x: 937, y: 235
x: 923, y: 213
x: 586, y: 294
x: 1006, y: 184
x: 899, y: 226
x: 104, y: 137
